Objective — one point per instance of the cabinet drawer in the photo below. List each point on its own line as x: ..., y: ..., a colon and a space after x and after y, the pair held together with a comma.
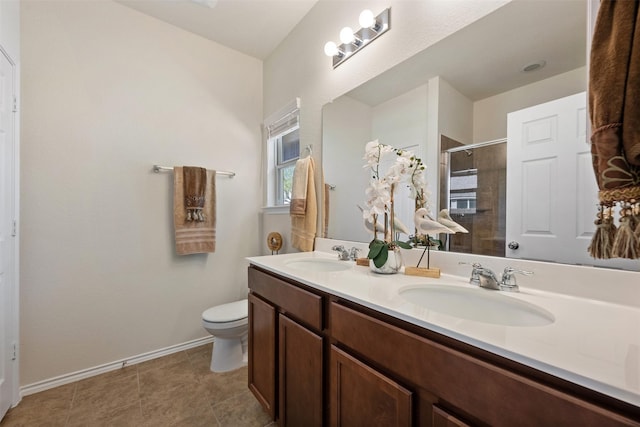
x: 491, y: 394
x: 298, y: 303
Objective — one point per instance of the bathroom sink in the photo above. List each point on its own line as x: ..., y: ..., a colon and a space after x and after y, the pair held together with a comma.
x: 319, y: 264
x: 477, y: 304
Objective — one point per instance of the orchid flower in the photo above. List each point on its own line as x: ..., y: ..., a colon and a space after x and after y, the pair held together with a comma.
x: 379, y: 193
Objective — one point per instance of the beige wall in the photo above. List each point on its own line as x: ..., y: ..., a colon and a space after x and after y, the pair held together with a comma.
x: 455, y: 114
x: 108, y: 92
x: 299, y: 68
x: 490, y: 114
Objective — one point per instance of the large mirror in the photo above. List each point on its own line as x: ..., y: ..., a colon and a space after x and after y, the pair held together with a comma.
x: 453, y: 105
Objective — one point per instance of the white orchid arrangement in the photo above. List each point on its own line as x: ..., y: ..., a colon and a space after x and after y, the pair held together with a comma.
x: 380, y: 194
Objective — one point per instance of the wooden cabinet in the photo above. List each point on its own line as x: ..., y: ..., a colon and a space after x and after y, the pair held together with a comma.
x: 262, y: 353
x: 442, y: 418
x: 363, y: 397
x: 308, y: 348
x: 286, y: 350
x: 300, y: 355
x: 479, y: 391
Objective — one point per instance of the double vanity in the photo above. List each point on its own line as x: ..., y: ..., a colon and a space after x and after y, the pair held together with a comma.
x: 332, y: 343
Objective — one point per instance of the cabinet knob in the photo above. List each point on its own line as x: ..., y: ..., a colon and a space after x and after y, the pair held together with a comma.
x: 513, y: 245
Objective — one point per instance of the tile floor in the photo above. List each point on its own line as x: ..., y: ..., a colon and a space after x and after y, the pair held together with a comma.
x: 175, y: 390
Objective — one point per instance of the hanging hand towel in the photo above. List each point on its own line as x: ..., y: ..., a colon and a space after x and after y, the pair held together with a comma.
x: 614, y: 87
x: 298, y: 205
x: 304, y: 214
x: 195, y: 181
x: 193, y: 187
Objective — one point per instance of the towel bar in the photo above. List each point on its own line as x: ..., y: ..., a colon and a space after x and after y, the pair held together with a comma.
x: 158, y: 169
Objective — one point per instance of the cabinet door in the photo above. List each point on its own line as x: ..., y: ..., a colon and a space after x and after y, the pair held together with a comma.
x: 362, y: 396
x: 300, y: 375
x: 442, y: 418
x: 262, y: 353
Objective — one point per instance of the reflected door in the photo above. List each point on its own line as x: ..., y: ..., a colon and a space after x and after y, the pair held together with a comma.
x: 551, y: 189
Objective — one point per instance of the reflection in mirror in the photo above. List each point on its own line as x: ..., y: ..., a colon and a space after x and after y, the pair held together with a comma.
x: 347, y: 126
x: 473, y: 187
x: 462, y: 88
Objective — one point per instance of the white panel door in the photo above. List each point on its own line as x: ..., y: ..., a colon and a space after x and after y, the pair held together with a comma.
x: 8, y: 283
x: 551, y: 190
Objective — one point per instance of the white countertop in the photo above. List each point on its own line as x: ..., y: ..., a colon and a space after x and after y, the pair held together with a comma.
x: 592, y: 343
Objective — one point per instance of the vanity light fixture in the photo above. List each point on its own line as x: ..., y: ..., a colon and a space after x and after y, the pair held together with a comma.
x: 366, y: 19
x: 347, y: 36
x: 331, y: 49
x: 352, y: 41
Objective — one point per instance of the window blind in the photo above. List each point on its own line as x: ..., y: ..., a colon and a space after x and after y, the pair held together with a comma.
x: 284, y: 119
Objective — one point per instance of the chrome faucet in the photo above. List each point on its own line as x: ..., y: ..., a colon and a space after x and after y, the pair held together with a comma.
x: 486, y: 278
x: 475, y: 272
x: 353, y: 253
x: 509, y: 281
x: 346, y: 255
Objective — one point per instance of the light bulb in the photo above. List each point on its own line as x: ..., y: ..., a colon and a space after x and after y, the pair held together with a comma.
x: 346, y: 35
x: 367, y: 20
x: 330, y: 49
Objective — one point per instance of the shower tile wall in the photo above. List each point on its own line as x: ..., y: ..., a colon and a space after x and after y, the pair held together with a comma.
x: 487, y: 225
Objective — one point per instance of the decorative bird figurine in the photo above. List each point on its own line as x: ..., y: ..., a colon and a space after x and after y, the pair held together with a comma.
x: 368, y: 223
x: 398, y: 225
x: 445, y: 219
x: 426, y: 225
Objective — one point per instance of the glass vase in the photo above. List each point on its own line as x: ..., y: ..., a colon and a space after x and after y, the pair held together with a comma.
x: 393, y: 264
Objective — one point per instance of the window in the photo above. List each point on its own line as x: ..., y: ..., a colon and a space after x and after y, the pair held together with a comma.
x: 288, y: 152
x: 460, y: 204
x: 283, y: 150
x: 462, y: 191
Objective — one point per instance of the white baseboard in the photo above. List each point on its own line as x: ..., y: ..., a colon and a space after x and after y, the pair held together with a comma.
x: 101, y: 369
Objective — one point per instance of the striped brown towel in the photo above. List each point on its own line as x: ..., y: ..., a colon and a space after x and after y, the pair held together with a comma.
x: 194, y: 237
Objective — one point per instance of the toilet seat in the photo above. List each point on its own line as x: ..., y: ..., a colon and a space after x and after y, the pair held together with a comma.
x: 225, y: 326
x: 227, y: 313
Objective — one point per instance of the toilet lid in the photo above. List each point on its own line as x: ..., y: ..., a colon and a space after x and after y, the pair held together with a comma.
x: 227, y: 312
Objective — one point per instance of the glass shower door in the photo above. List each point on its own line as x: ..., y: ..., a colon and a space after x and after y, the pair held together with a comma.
x: 473, y: 188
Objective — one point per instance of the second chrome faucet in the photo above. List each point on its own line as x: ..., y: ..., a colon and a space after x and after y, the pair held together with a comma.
x: 345, y: 255
x: 486, y: 278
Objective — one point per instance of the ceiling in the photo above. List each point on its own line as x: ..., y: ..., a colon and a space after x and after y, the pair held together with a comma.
x: 254, y: 27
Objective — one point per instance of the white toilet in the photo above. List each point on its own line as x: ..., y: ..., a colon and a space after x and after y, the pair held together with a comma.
x: 229, y: 325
